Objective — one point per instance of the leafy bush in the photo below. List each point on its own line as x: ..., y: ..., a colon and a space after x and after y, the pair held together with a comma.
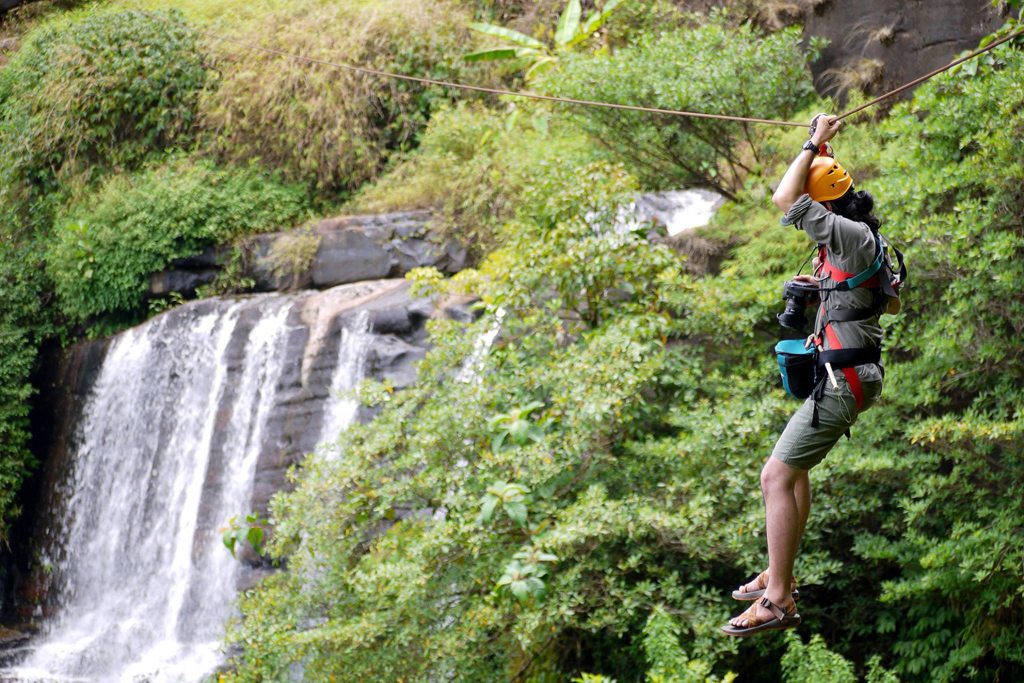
x: 535, y: 56
x: 951, y: 191
x: 94, y: 92
x: 333, y: 128
x: 24, y: 316
x: 815, y: 662
x: 713, y: 69
x: 473, y: 165
x: 105, y: 248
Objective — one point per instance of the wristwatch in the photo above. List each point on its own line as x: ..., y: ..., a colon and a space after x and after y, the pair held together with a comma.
x: 810, y: 146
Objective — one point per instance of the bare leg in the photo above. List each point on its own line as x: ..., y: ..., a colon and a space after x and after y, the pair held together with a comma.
x: 803, y: 501
x: 782, y: 513
x: 786, y: 514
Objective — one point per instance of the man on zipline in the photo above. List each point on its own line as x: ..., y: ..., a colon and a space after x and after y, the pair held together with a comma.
x: 817, y: 196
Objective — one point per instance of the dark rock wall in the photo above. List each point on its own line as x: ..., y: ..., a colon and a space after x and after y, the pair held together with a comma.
x: 346, y: 249
x: 878, y: 45
x: 64, y: 382
x: 875, y: 45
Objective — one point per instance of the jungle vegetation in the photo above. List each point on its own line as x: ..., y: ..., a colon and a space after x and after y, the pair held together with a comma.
x: 578, y: 503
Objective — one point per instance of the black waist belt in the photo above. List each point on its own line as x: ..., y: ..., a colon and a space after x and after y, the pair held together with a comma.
x: 848, y: 358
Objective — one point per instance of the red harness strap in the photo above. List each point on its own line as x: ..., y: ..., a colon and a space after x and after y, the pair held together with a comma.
x: 840, y: 275
x: 852, y: 378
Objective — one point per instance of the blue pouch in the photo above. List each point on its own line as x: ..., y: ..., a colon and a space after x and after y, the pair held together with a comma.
x: 797, y: 366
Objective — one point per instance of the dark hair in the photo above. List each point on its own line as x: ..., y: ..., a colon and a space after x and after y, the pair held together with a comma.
x: 857, y: 206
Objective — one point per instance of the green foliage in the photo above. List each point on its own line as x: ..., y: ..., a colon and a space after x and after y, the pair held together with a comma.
x: 667, y: 661
x: 592, y: 678
x: 291, y: 255
x: 961, y: 572
x: 514, y: 429
x: 651, y: 17
x: 713, y: 69
x: 105, y: 248
x: 251, y: 531
x: 511, y: 498
x: 878, y: 673
x: 472, y: 167
x: 525, y: 574
x: 815, y: 662
x: 232, y: 277
x: 579, y: 495
x: 655, y: 395
x: 535, y: 56
x: 479, y: 533
x: 100, y: 91
x: 23, y: 326
x: 333, y: 128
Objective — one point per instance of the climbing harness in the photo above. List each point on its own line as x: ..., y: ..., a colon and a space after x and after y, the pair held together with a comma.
x: 805, y: 370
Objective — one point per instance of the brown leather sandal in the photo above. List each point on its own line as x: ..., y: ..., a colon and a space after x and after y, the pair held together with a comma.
x: 781, y: 619
x: 761, y: 581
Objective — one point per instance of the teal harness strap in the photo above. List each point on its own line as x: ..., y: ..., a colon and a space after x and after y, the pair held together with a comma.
x: 866, y: 274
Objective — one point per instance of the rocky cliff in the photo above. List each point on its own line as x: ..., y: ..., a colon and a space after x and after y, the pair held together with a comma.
x: 877, y: 45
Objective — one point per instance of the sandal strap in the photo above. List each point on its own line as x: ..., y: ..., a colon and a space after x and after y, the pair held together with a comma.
x: 780, y: 613
x: 760, y: 582
x: 750, y: 616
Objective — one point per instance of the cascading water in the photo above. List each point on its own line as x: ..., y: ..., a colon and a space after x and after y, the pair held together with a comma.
x: 165, y: 453
x: 341, y: 411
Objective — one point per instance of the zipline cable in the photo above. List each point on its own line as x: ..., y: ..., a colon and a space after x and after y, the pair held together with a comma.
x: 596, y: 103
x: 499, y: 91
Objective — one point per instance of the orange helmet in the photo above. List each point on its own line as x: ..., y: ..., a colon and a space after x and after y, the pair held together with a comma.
x: 827, y: 180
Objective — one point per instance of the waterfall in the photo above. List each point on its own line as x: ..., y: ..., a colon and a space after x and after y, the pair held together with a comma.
x: 342, y: 407
x: 164, y: 454
x: 678, y: 210
x: 471, y: 367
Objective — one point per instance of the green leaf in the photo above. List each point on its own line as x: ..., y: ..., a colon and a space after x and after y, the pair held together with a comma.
x: 568, y: 23
x: 492, y: 54
x: 498, y: 441
x: 523, y: 52
x: 516, y: 512
x: 539, y: 67
x: 508, y: 34
x: 594, y: 22
x: 520, y: 589
x: 487, y: 510
x: 520, y: 432
x: 255, y: 538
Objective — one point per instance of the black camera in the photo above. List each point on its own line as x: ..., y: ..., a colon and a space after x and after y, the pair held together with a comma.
x: 798, y: 297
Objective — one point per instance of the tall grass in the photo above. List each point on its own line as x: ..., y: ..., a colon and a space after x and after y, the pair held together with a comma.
x: 329, y: 127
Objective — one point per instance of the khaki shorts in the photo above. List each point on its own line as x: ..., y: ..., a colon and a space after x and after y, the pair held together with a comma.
x: 803, y: 446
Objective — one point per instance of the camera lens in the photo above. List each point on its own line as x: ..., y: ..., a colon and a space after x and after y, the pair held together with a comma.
x: 797, y: 297
x: 793, y: 317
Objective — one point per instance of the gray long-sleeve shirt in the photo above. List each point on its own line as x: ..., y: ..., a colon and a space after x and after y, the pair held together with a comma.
x: 850, y: 247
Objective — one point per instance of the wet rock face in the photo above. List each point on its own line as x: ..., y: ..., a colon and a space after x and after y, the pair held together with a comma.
x: 64, y: 383
x: 878, y: 45
x: 342, y: 250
